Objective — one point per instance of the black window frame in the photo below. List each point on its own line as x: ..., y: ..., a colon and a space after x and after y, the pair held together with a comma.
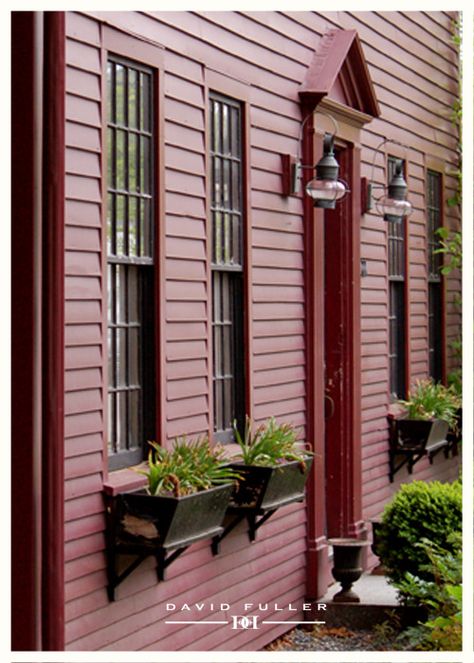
x: 397, y: 315
x: 227, y: 264
x: 130, y: 261
x: 434, y: 220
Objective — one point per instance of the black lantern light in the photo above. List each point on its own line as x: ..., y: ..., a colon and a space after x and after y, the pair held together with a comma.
x: 326, y: 188
x: 394, y: 204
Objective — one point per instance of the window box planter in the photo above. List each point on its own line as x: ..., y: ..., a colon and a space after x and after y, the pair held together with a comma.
x: 455, y: 434
x: 143, y: 525
x: 262, y: 490
x: 411, y: 439
x: 265, y: 488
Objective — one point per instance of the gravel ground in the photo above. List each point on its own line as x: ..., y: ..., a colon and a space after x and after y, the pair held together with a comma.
x: 323, y: 638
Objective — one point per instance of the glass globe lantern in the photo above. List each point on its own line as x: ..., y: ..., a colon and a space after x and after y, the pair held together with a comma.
x: 326, y: 188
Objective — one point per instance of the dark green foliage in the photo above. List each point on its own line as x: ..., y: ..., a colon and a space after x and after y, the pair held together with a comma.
x: 442, y: 597
x: 419, y: 510
x: 272, y: 443
x: 432, y: 400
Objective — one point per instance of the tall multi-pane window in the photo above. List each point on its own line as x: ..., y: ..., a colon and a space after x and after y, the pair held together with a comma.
x: 397, y: 301
x: 435, y: 318
x: 227, y: 265
x: 130, y: 260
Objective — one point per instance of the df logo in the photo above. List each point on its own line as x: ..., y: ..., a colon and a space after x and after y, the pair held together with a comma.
x: 242, y: 622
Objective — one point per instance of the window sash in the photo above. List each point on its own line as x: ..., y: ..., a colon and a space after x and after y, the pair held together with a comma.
x: 434, y: 222
x: 130, y: 259
x: 397, y: 300
x: 227, y: 265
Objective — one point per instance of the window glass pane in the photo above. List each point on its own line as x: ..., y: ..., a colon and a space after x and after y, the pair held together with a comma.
x: 133, y: 294
x: 120, y: 293
x: 226, y: 198
x: 111, y: 158
x: 236, y: 239
x: 145, y: 227
x: 111, y: 424
x: 133, y: 356
x: 235, y: 131
x: 225, y: 130
x: 120, y: 160
x: 132, y: 227
x: 111, y: 346
x: 110, y: 223
x: 132, y: 162
x: 122, y: 438
x: 120, y: 202
x: 110, y: 91
x: 227, y: 239
x: 120, y: 93
x: 235, y: 185
x: 134, y: 418
x: 133, y: 98
x: 145, y: 119
x: 217, y: 237
x: 121, y: 336
x: 145, y: 182
x: 217, y: 146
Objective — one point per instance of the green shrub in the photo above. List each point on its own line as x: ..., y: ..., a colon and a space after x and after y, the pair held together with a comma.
x: 419, y: 510
x: 441, y: 597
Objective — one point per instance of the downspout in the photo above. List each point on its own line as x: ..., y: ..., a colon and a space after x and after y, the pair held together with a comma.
x: 53, y: 332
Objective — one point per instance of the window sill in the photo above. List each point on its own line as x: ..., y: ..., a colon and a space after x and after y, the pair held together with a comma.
x: 119, y: 481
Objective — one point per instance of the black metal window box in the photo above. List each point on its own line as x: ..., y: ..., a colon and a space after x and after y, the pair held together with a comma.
x: 142, y: 525
x: 411, y: 439
x: 261, y: 491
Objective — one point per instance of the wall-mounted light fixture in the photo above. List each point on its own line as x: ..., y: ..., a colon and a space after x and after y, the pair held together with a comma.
x: 326, y: 188
x: 394, y: 204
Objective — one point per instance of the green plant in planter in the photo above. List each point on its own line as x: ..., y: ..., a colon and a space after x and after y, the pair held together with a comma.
x: 430, y: 400
x: 270, y: 445
x: 273, y: 467
x: 187, y: 468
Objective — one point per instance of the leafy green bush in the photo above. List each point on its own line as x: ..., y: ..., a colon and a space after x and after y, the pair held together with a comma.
x: 271, y: 444
x: 442, y: 597
x: 419, y: 510
x: 188, y: 467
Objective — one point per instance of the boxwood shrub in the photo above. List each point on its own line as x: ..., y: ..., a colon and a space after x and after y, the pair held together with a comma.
x: 431, y: 510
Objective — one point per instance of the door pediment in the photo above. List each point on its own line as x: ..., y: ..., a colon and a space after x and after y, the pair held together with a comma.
x: 339, y: 72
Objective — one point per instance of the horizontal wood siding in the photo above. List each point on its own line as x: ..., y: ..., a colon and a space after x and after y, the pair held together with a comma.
x: 267, y: 54
x: 265, y: 570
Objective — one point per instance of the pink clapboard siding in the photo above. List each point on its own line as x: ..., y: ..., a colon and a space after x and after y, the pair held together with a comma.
x: 267, y: 53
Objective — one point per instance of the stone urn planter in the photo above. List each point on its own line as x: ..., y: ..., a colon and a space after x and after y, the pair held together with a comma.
x: 347, y: 567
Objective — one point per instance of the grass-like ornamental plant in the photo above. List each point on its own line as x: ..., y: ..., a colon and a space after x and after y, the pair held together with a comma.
x: 271, y: 444
x: 187, y: 468
x: 419, y: 510
x: 432, y: 400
